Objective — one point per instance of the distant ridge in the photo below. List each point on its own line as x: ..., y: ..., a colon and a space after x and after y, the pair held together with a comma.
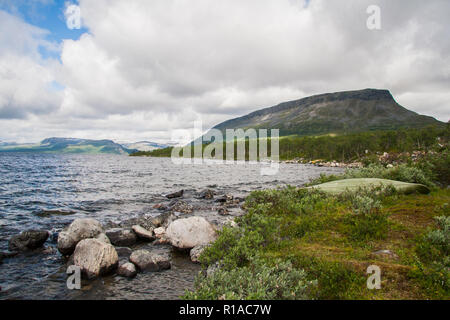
x: 68, y: 145
x: 347, y: 111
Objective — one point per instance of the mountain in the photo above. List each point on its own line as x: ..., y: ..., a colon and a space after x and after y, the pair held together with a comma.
x: 68, y: 145
x: 348, y: 111
x: 145, y: 146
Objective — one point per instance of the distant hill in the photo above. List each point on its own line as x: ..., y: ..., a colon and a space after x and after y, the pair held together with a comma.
x: 145, y: 146
x: 349, y: 111
x: 68, y: 145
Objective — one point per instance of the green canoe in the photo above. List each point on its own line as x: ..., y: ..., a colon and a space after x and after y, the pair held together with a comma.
x: 340, y: 186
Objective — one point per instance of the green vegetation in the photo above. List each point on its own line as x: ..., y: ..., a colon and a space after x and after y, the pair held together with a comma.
x: 431, y: 170
x: 301, y: 243
x: 255, y: 281
x: 352, y: 146
x: 162, y: 153
x: 434, y: 247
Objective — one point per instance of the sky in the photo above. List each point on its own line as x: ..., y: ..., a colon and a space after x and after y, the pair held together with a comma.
x: 139, y: 70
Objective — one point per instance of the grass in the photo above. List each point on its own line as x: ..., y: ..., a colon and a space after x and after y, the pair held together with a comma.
x: 331, y: 240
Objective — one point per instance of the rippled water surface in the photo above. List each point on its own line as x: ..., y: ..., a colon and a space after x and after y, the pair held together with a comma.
x: 39, y: 191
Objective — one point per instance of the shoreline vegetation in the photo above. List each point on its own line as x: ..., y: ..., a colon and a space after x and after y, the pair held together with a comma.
x: 300, y: 243
x: 361, y: 148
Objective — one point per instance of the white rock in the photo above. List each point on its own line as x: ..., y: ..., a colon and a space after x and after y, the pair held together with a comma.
x: 95, y: 258
x: 190, y: 232
x: 78, y: 230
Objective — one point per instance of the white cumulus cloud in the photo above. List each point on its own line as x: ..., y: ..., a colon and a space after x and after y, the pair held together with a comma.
x: 148, y: 67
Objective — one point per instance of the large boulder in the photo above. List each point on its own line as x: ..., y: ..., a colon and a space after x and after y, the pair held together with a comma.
x: 78, y: 230
x: 147, y: 261
x: 95, y: 258
x: 340, y: 186
x: 28, y: 240
x: 121, y: 237
x: 190, y: 232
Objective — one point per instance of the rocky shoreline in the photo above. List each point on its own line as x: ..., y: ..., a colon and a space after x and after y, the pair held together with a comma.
x: 188, y: 222
x: 322, y: 163
x: 384, y: 158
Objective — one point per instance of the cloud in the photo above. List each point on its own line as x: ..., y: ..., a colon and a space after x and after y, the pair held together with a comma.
x: 26, y: 81
x: 147, y: 67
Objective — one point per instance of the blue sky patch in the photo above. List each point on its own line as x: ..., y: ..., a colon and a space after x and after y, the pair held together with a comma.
x: 45, y: 14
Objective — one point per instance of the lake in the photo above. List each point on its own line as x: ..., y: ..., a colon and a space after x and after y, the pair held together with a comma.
x: 46, y: 191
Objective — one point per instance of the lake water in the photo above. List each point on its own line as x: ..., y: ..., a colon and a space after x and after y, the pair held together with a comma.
x: 39, y: 191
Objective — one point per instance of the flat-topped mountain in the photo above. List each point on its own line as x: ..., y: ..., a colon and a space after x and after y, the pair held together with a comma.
x: 361, y: 110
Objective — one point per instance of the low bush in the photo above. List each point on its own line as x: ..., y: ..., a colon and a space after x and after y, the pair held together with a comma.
x: 432, y: 266
x: 437, y: 166
x: 403, y: 172
x: 363, y: 227
x: 235, y: 247
x: 334, y: 279
x: 258, y: 280
x: 435, y: 245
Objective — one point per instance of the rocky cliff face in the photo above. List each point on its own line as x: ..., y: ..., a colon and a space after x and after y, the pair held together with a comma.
x: 368, y: 109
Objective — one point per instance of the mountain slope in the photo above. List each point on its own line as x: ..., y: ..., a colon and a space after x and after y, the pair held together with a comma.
x: 368, y: 109
x: 68, y: 145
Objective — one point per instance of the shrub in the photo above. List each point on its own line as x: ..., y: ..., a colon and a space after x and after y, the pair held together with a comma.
x: 433, y: 268
x: 367, y: 221
x: 403, y: 172
x: 365, y: 205
x: 287, y: 201
x: 435, y: 245
x: 235, y: 247
x: 437, y: 165
x: 367, y: 226
x: 257, y: 281
x: 334, y: 279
